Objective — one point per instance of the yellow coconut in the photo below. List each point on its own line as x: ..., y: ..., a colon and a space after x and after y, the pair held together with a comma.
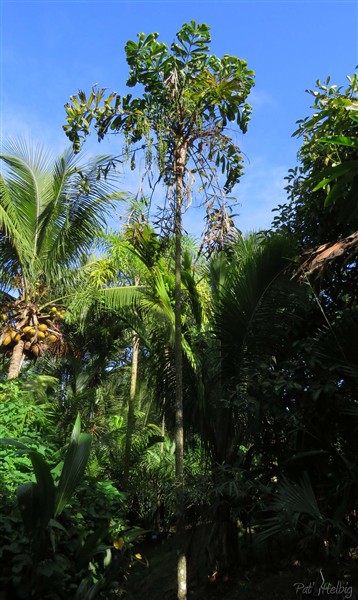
x: 26, y: 329
x: 42, y: 327
x: 52, y: 338
x: 7, y: 340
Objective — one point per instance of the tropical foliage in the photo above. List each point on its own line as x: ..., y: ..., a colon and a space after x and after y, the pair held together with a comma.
x: 267, y: 333
x: 49, y: 215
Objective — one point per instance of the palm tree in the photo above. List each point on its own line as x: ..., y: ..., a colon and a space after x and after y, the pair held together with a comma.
x: 133, y: 282
x: 252, y: 304
x: 50, y: 213
x: 181, y: 120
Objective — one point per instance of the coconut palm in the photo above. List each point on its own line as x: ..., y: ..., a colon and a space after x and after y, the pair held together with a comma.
x: 50, y: 213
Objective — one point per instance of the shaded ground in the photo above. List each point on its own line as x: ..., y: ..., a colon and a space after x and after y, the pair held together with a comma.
x: 157, y: 581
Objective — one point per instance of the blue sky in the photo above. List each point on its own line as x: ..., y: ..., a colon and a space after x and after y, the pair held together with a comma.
x: 50, y: 49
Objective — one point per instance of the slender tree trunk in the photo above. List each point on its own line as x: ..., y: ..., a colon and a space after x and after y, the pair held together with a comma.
x: 163, y: 434
x: 180, y: 159
x: 16, y: 360
x: 131, y: 406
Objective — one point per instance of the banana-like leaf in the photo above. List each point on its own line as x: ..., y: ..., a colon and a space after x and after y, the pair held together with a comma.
x: 74, y: 465
x: 46, y: 487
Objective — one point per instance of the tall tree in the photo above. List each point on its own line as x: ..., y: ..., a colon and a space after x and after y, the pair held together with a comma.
x: 321, y: 211
x: 320, y: 380
x: 50, y: 213
x: 189, y: 98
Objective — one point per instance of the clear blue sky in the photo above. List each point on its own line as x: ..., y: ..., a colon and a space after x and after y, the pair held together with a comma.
x: 50, y: 49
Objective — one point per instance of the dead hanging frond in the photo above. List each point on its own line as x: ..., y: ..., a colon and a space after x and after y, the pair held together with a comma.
x: 172, y: 83
x: 220, y: 229
x: 189, y: 184
x: 163, y: 219
x: 316, y: 260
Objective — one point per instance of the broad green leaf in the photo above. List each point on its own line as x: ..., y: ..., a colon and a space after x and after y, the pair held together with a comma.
x: 91, y: 544
x: 322, y: 183
x: 341, y: 140
x: 18, y: 445
x: 46, y: 488
x: 28, y: 498
x: 74, y: 465
x: 331, y: 173
x: 336, y: 192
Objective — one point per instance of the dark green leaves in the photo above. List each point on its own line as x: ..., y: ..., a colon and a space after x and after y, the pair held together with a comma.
x: 36, y: 500
x: 189, y: 94
x: 40, y: 501
x: 328, y: 167
x: 76, y: 459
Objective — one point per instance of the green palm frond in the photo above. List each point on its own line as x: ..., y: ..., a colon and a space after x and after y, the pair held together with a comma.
x: 27, y: 181
x: 255, y: 293
x: 79, y: 222
x: 51, y: 211
x: 10, y: 224
x: 114, y: 298
x: 190, y: 284
x: 293, y: 503
x: 298, y: 498
x: 90, y: 302
x: 338, y: 344
x: 217, y: 271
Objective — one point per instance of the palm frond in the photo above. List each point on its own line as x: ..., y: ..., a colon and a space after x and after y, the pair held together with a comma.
x: 79, y: 212
x: 27, y: 180
x: 255, y: 293
x: 292, y: 503
x: 50, y: 211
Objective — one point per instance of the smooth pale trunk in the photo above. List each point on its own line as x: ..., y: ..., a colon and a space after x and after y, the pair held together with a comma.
x: 131, y: 406
x: 180, y: 160
x: 16, y: 360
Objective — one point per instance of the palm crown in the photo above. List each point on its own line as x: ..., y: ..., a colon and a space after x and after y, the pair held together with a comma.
x: 50, y: 213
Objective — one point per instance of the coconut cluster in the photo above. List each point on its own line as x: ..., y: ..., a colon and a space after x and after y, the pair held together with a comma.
x: 39, y: 331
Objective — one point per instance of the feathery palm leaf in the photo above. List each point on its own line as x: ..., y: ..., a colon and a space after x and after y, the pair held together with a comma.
x: 50, y: 215
x: 249, y: 299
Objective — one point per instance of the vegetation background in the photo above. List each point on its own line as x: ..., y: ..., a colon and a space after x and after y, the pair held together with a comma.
x: 178, y: 416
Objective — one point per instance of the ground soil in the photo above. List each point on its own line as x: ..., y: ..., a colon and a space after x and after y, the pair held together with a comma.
x: 154, y: 578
